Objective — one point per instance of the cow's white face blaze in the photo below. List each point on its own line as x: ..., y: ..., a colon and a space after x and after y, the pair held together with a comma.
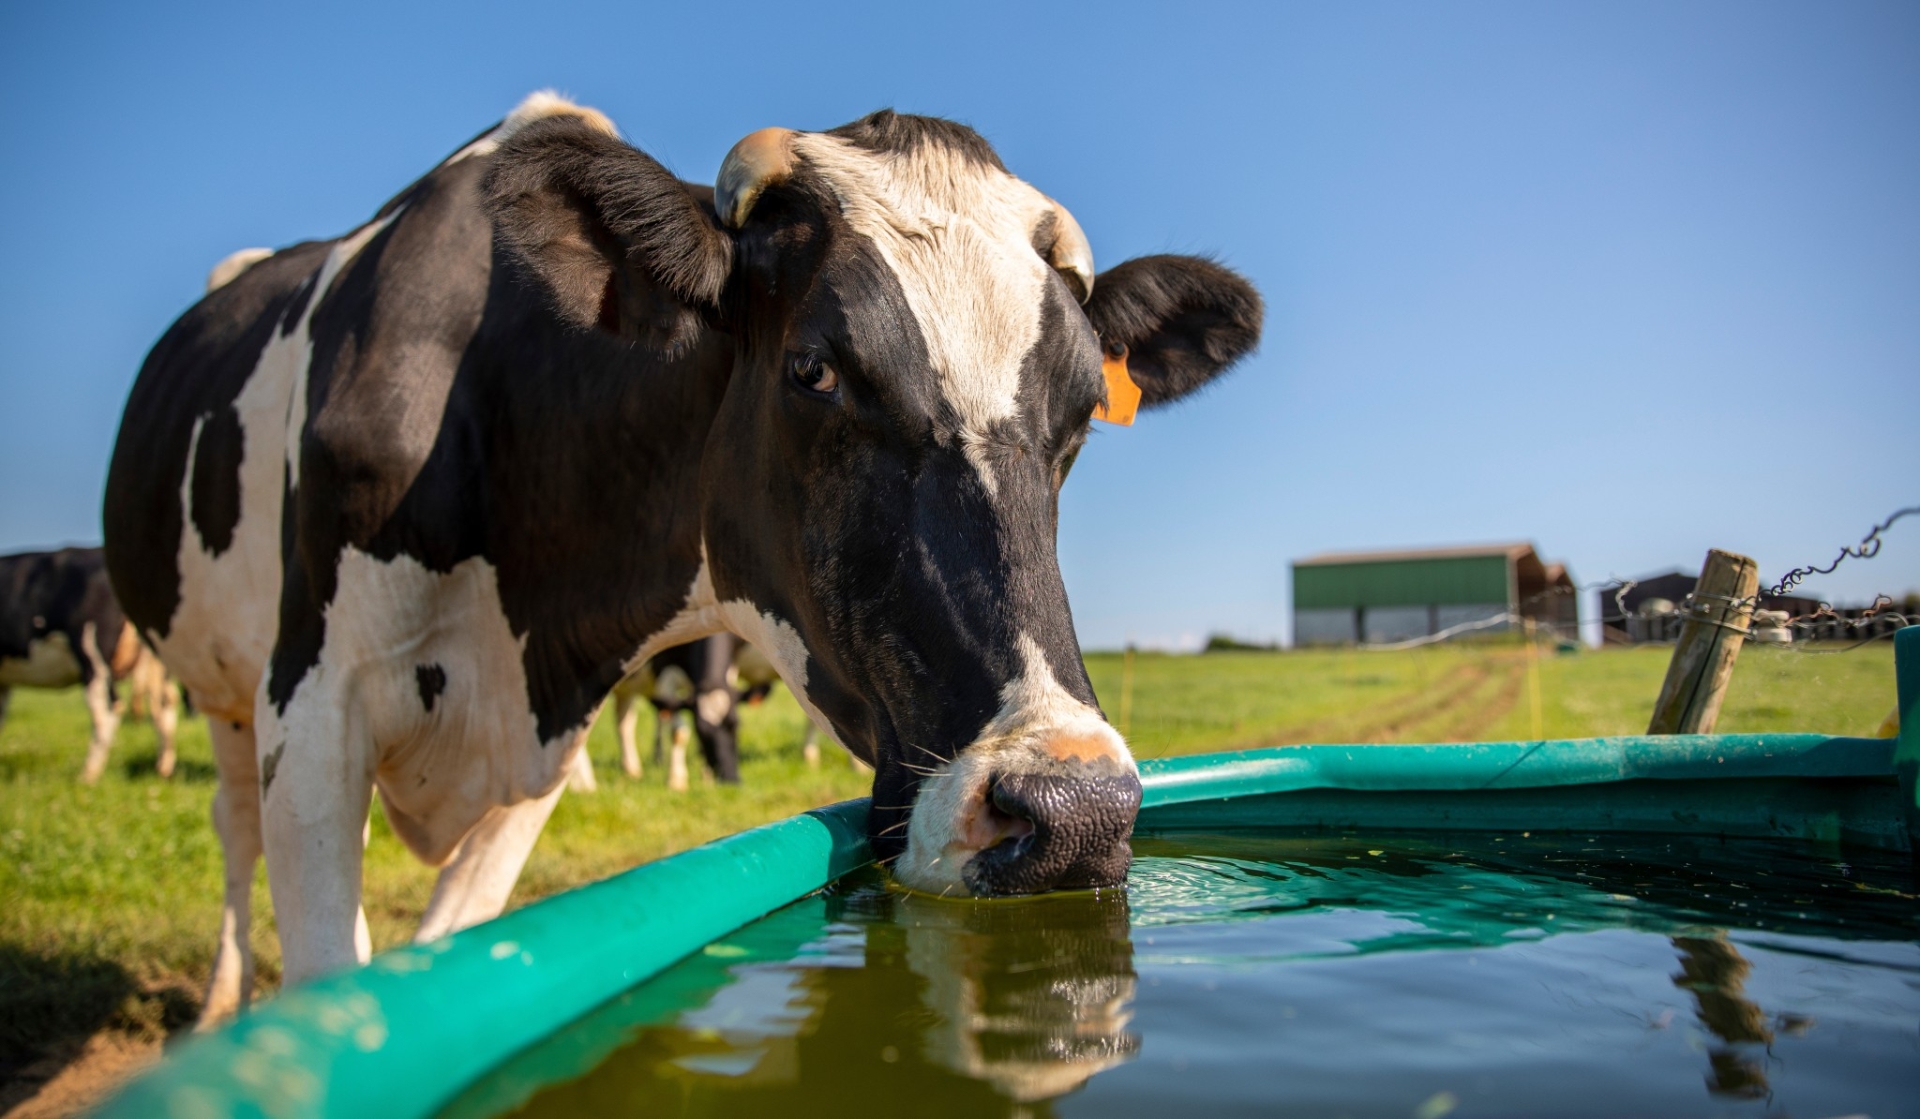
x: 916, y: 360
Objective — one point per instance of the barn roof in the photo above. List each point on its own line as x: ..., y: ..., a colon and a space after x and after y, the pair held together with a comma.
x: 1513, y: 551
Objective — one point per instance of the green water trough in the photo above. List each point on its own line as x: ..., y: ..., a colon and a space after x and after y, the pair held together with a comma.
x: 407, y: 1033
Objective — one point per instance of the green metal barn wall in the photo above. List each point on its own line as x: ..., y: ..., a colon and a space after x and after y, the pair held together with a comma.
x: 1448, y: 581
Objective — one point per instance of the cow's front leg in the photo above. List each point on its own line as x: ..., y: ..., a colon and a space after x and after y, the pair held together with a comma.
x: 580, y: 774
x: 677, y: 757
x: 150, y: 687
x: 626, y: 718
x: 165, y: 712
x: 315, y: 789
x: 474, y: 887
x: 236, y: 818
x: 100, y: 706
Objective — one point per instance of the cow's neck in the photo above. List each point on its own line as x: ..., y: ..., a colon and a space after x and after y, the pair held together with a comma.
x: 595, y: 461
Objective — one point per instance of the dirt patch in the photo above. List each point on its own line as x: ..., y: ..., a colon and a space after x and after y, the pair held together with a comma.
x: 84, y: 1075
x: 74, y: 1026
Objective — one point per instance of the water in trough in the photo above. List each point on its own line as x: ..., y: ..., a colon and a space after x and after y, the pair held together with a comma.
x: 1325, y: 976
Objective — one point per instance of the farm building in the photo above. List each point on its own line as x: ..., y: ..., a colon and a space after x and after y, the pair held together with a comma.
x: 1348, y: 597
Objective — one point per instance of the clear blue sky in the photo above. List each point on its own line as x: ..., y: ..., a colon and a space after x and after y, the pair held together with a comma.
x: 1523, y: 262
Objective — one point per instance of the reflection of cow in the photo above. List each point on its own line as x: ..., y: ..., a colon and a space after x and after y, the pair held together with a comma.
x: 1034, y: 999
x: 60, y: 626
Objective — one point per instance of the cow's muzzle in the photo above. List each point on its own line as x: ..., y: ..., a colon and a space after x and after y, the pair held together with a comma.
x: 1080, y: 816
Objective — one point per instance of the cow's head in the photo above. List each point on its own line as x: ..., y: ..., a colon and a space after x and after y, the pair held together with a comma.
x: 918, y: 340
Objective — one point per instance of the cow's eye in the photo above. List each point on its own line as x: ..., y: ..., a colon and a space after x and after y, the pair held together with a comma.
x: 813, y: 374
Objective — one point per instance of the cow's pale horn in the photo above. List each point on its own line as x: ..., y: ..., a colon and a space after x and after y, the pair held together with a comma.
x: 1071, y: 255
x: 755, y: 163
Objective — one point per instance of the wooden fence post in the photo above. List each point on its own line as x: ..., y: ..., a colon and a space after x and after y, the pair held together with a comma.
x: 1713, y: 626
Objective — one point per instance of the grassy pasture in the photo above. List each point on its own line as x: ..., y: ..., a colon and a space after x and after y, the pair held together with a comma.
x: 109, y: 894
x: 1468, y: 693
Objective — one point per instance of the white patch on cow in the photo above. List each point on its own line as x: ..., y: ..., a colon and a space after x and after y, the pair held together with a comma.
x: 950, y: 821
x: 958, y: 236
x: 50, y: 663
x: 713, y: 705
x: 232, y: 265
x: 222, y: 632
x: 440, y: 770
x: 474, y: 887
x: 538, y: 105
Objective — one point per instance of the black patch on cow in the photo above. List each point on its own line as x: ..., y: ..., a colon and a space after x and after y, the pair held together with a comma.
x: 432, y: 680
x: 1183, y: 320
x: 888, y: 131
x: 269, y: 767
x: 214, y: 496
x: 59, y: 592
x: 296, y: 308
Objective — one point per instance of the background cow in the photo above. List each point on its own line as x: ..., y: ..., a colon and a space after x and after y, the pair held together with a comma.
x: 60, y: 626
x: 359, y: 500
x: 706, y: 681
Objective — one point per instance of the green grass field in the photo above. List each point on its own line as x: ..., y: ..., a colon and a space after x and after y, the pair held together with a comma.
x: 109, y: 895
x: 1467, y: 693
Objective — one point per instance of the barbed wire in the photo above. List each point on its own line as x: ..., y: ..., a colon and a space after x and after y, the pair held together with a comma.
x: 1868, y: 548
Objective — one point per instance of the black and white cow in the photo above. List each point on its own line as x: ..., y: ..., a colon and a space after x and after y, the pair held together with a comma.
x: 697, y: 678
x: 60, y: 626
x: 705, y: 680
x: 360, y: 499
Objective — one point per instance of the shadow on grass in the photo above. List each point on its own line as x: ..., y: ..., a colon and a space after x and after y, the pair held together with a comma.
x: 51, y: 1005
x: 192, y: 771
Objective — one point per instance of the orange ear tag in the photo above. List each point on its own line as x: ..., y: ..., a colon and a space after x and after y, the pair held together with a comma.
x: 1123, y: 396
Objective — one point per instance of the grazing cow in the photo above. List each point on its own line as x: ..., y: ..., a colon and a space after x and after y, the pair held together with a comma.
x: 696, y: 678
x: 401, y: 507
x: 60, y: 626
x: 729, y: 672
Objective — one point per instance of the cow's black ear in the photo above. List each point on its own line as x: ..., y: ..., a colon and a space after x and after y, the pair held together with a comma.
x: 1183, y: 320
x: 618, y: 241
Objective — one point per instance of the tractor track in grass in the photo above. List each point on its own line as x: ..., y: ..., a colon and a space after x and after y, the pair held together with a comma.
x: 1457, y: 707
x: 1392, y: 717
x: 1470, y: 721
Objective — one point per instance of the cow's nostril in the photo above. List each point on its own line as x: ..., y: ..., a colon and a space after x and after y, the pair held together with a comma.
x: 1007, y: 824
x: 1077, y: 827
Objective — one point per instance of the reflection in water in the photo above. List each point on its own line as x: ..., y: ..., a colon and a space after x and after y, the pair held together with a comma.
x: 864, y: 1001
x: 1713, y: 969
x: 1301, y: 974
x: 1033, y: 1003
